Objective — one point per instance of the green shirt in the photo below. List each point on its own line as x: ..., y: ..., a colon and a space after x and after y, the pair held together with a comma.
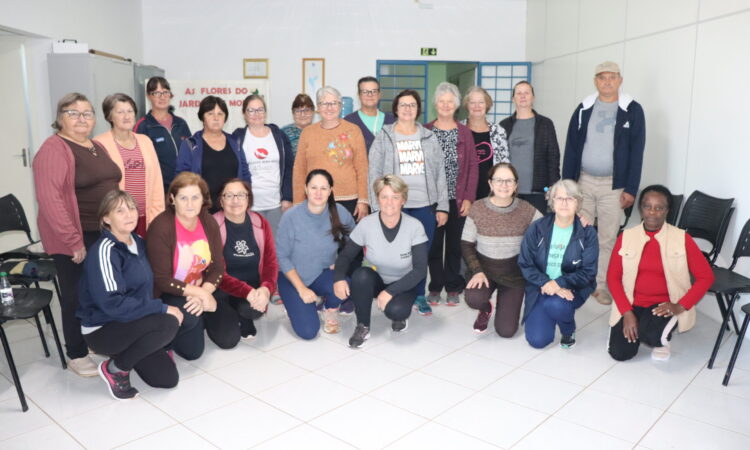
x: 373, y: 123
x: 557, y: 246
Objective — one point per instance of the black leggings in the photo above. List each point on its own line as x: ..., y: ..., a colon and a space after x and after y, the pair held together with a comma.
x: 367, y: 284
x: 232, y: 319
x: 140, y: 345
x: 446, y: 272
x: 189, y: 341
x: 653, y: 331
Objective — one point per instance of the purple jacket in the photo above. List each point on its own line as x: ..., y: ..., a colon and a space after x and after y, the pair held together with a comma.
x: 468, y: 165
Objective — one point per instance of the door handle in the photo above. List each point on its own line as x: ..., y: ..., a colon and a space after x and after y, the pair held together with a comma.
x: 22, y: 155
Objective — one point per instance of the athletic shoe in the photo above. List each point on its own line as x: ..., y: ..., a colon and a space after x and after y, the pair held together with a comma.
x: 360, y: 335
x: 422, y: 307
x: 276, y: 299
x: 483, y: 320
x: 452, y: 299
x: 568, y: 341
x: 84, y: 367
x: 346, y: 308
x: 399, y: 326
x: 661, y: 353
x: 170, y: 353
x: 247, y: 329
x: 118, y: 382
x: 331, y: 324
x: 602, y: 296
x: 434, y: 298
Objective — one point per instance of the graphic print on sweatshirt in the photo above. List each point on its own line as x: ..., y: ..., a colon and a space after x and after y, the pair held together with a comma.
x: 410, y: 157
x: 339, y: 149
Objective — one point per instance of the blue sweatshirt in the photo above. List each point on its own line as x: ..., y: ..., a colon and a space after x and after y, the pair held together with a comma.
x: 304, y: 241
x: 116, y: 285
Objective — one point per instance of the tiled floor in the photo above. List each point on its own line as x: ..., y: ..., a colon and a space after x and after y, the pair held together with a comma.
x: 436, y: 386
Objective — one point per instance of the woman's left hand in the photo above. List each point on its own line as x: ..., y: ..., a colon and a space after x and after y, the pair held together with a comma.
x: 383, y: 299
x: 285, y: 204
x: 441, y: 218
x: 361, y: 211
x: 550, y: 288
x: 567, y: 294
x: 584, y: 221
x: 259, y: 298
x: 209, y: 302
x: 465, y: 207
x: 668, y: 309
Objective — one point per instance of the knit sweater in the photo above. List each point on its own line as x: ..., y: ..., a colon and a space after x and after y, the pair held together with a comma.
x: 341, y: 151
x: 491, y: 240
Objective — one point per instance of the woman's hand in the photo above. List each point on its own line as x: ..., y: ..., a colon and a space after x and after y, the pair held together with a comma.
x: 193, y: 305
x: 383, y: 299
x: 668, y: 309
x: 361, y: 211
x: 285, y: 204
x: 441, y: 218
x: 79, y: 255
x: 584, y: 221
x: 341, y: 289
x: 567, y: 294
x: 258, y: 298
x: 307, y: 295
x: 630, y: 326
x: 478, y: 280
x: 175, y: 311
x: 465, y: 207
x: 550, y: 288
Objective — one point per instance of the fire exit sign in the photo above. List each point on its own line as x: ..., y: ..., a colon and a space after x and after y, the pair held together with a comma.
x: 429, y: 51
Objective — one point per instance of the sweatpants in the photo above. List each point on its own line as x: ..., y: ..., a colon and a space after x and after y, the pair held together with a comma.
x: 367, y: 284
x: 653, y: 331
x: 304, y: 316
x: 551, y: 311
x: 232, y: 319
x: 188, y: 343
x: 509, y: 301
x: 426, y: 216
x: 445, y: 272
x: 137, y: 345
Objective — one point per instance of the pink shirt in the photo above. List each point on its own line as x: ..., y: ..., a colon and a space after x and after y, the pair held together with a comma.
x: 192, y: 253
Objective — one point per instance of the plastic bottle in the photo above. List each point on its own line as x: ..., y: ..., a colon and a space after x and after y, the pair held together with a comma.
x: 6, y: 290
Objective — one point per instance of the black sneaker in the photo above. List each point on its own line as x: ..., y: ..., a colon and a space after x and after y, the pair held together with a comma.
x: 360, y: 335
x: 118, y: 383
x: 568, y: 341
x: 399, y: 325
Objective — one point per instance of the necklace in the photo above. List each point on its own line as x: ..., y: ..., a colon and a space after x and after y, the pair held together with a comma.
x: 91, y: 149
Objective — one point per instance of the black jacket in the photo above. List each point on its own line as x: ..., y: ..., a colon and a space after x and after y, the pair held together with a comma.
x: 166, y: 143
x: 546, y: 151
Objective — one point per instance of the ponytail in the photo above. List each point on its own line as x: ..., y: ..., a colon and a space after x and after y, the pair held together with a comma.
x: 338, y: 230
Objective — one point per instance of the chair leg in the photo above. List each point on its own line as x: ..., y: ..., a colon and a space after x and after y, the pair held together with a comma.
x: 57, y: 290
x: 730, y: 310
x: 41, y: 335
x: 722, y: 308
x: 724, y: 326
x: 13, y: 370
x: 736, y: 352
x: 48, y: 313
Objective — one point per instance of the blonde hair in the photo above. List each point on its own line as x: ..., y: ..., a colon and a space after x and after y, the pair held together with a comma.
x: 395, y: 182
x: 479, y: 89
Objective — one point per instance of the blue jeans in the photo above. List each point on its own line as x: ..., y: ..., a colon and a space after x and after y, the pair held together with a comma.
x: 426, y: 216
x: 304, y: 316
x: 550, y: 311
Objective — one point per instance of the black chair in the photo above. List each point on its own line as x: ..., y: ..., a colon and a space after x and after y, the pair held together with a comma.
x: 675, y: 211
x: 28, y: 304
x: 707, y: 217
x: 13, y: 218
x: 728, y: 285
x: 538, y: 200
x: 740, y: 338
x: 628, y: 212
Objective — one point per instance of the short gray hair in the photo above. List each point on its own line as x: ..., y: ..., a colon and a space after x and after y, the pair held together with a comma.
x: 65, y: 101
x: 571, y: 188
x: 322, y: 92
x: 447, y: 88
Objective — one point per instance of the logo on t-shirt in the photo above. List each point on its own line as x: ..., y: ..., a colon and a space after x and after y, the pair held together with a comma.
x: 484, y: 151
x: 410, y: 157
x: 241, y: 248
x: 261, y: 153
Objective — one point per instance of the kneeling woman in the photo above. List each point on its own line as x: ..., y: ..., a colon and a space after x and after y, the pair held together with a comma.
x: 119, y: 315
x: 310, y: 235
x: 649, y: 277
x: 396, y: 246
x: 558, y: 260
x: 184, y: 248
x: 252, y: 266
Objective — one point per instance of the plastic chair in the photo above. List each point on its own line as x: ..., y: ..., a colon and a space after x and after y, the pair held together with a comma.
x: 706, y: 217
x: 740, y: 338
x: 728, y: 285
x: 675, y: 211
x: 538, y: 200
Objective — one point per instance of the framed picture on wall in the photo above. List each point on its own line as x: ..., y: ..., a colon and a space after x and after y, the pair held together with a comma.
x: 313, y: 75
x: 255, y: 68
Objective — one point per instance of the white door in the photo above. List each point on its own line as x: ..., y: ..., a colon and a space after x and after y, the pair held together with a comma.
x: 15, y: 165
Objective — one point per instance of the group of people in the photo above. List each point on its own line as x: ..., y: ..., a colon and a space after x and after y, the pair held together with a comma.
x: 159, y: 235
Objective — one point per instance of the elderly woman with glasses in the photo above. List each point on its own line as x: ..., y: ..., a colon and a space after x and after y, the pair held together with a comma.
x: 408, y: 149
x: 336, y: 146
x: 558, y: 260
x: 268, y: 153
x: 303, y: 113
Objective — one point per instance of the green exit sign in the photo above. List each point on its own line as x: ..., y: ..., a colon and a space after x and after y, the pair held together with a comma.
x: 429, y: 51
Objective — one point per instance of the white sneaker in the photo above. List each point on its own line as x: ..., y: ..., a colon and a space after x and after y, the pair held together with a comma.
x: 660, y: 353
x: 84, y: 367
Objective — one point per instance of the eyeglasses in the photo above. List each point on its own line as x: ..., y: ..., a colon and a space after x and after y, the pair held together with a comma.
x: 503, y: 181
x: 369, y: 91
x: 73, y: 114
x: 160, y: 94
x: 251, y: 111
x: 302, y: 111
x: 564, y: 200
x: 328, y: 104
x: 407, y: 105
x: 229, y: 196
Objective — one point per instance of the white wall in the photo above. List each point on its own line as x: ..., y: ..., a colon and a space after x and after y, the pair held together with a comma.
x: 684, y: 61
x: 196, y: 40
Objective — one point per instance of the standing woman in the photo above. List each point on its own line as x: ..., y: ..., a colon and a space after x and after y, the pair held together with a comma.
x: 533, y: 142
x: 71, y: 176
x: 310, y: 235
x: 336, y: 146
x: 408, y: 149
x: 165, y: 130
x: 490, y: 243
x: 303, y: 112
x: 186, y: 255
x: 461, y: 175
x: 212, y: 153
x: 490, y: 140
x: 268, y: 153
x: 134, y: 154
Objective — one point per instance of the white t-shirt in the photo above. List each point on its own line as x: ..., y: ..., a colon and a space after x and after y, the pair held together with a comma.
x: 263, y: 161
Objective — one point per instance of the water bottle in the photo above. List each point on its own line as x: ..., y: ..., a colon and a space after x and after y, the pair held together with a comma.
x: 6, y: 290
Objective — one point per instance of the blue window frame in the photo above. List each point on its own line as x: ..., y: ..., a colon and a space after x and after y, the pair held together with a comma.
x: 395, y: 76
x: 498, y: 79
